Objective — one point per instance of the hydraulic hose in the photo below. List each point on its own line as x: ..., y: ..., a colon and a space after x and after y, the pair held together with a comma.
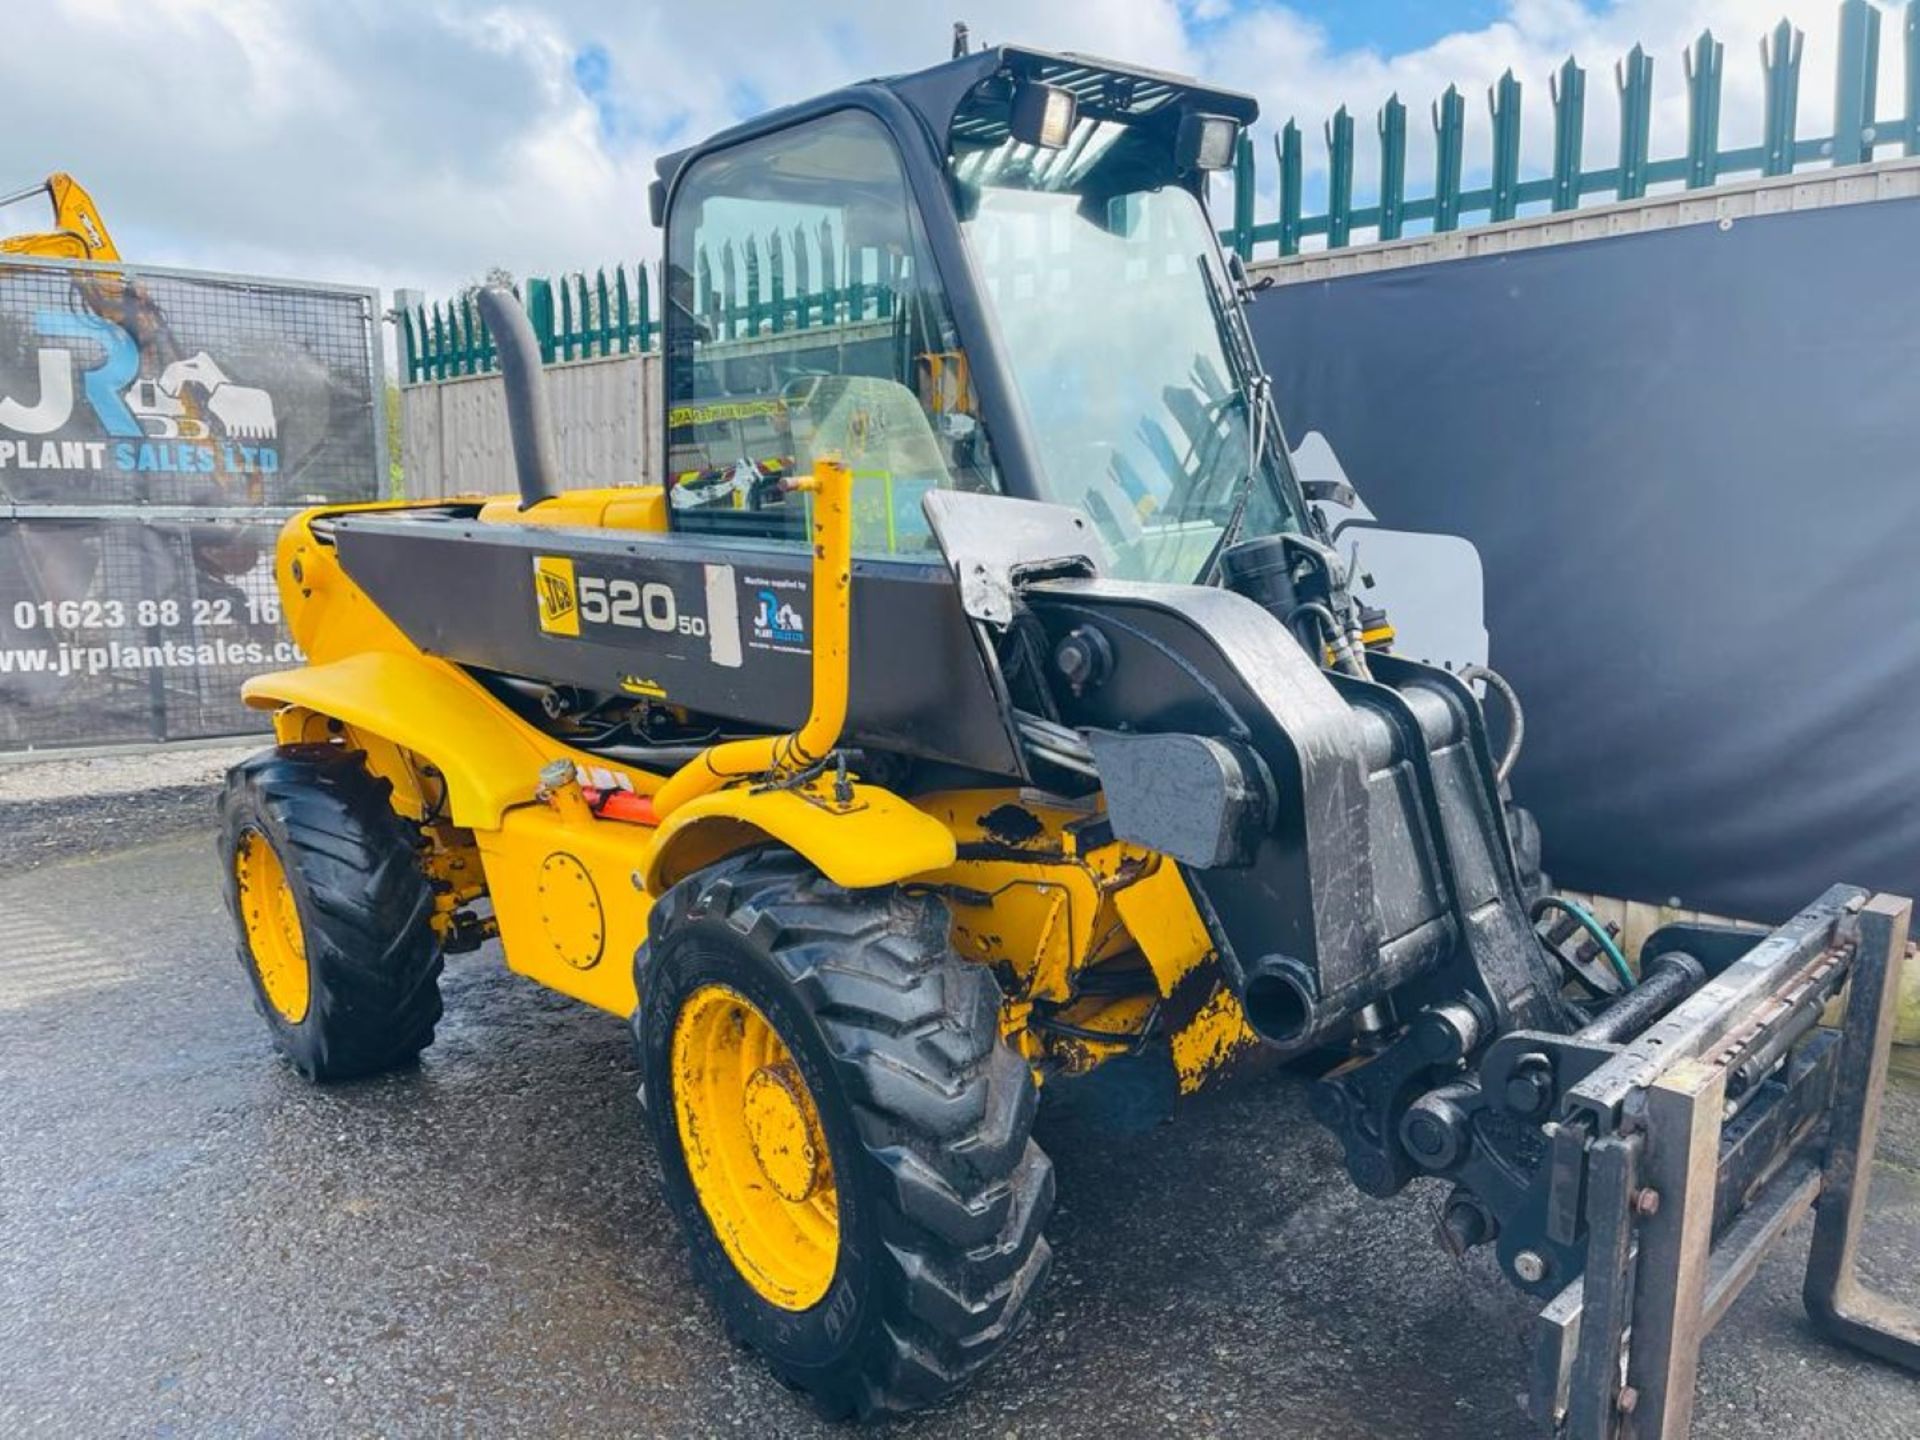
x: 831, y: 486
x: 1339, y: 641
x: 1516, y: 717
x: 1585, y: 919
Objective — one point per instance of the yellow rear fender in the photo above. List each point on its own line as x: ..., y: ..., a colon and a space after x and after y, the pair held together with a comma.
x: 876, y: 838
x: 489, y: 759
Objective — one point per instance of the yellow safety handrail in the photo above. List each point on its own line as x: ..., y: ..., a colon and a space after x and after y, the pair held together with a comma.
x: 831, y: 486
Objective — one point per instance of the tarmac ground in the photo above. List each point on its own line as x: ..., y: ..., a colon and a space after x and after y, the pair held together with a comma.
x: 194, y: 1242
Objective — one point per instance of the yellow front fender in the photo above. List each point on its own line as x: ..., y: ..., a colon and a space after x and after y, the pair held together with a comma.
x: 490, y: 760
x: 875, y: 839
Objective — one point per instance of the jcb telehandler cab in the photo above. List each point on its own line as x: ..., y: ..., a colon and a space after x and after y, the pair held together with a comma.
x: 979, y: 703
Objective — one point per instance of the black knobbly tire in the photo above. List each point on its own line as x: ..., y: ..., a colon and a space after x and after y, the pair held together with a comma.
x: 925, y: 1112
x: 365, y: 909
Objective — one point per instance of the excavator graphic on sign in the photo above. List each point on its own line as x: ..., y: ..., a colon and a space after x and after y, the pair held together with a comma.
x: 164, y: 410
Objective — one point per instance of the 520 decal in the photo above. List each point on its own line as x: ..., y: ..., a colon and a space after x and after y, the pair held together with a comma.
x: 566, y: 600
x: 638, y: 606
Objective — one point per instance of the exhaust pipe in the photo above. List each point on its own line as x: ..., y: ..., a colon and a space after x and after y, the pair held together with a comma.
x: 526, y: 387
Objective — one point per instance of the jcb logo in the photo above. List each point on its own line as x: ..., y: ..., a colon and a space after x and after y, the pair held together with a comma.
x: 567, y: 601
x: 556, y: 595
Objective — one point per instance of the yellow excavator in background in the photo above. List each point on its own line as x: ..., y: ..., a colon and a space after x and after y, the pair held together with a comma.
x: 78, y: 232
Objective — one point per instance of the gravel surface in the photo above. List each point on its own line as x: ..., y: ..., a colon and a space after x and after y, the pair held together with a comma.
x: 195, y: 1242
x: 54, y: 809
x: 25, y: 780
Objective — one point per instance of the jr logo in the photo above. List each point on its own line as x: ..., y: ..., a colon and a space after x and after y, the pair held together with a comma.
x: 127, y: 406
x: 105, y: 383
x: 778, y: 621
x: 555, y: 595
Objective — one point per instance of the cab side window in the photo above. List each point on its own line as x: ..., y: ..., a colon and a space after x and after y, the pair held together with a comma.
x: 805, y: 319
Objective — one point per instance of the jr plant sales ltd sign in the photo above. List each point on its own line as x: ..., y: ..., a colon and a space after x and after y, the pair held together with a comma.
x: 156, y: 428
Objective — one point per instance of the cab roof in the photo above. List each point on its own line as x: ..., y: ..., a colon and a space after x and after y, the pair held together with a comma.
x: 1104, y: 89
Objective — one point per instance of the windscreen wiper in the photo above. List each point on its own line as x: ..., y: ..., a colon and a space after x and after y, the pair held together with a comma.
x: 1257, y: 401
x: 1256, y: 389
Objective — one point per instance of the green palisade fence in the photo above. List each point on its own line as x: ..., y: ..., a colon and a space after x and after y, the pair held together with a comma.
x: 787, y: 280
x: 795, y: 279
x: 574, y: 318
x: 1859, y: 134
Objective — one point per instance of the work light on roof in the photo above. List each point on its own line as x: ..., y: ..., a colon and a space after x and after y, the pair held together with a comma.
x: 1042, y: 115
x: 1206, y: 142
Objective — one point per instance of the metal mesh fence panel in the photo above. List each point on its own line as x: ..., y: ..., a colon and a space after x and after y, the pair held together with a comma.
x: 124, y: 387
x: 156, y: 428
x: 134, y: 630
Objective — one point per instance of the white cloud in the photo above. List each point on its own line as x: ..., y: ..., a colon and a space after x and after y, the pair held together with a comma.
x: 418, y: 144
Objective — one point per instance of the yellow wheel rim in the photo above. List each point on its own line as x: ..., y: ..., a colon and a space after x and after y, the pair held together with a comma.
x: 754, y: 1147
x: 274, y: 938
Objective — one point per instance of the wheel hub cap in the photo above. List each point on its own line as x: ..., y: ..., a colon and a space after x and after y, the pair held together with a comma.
x: 780, y: 1131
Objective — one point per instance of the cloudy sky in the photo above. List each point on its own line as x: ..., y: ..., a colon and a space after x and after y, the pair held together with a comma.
x: 418, y: 142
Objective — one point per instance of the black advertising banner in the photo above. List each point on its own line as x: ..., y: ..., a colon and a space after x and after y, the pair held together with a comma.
x: 125, y: 387
x: 132, y: 630
x: 1670, y: 482
x: 155, y: 430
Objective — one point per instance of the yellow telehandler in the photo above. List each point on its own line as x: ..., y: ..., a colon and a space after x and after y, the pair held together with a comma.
x: 981, y: 705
